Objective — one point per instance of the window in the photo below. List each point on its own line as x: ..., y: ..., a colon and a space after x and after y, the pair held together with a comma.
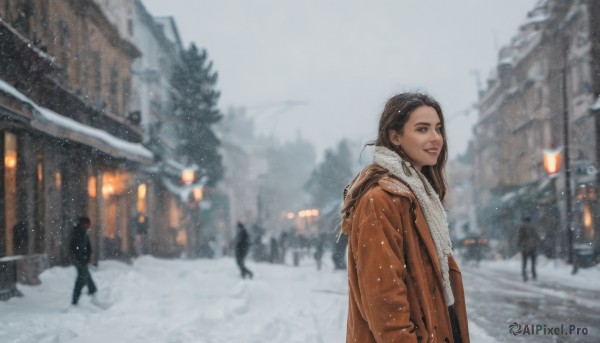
x: 98, y: 78
x: 114, y: 86
x: 63, y: 46
x: 10, y: 191
x: 40, y: 205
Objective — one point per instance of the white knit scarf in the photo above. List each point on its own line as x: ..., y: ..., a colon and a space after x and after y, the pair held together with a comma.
x: 435, y: 215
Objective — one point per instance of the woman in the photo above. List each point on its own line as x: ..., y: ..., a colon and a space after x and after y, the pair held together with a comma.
x: 404, y: 284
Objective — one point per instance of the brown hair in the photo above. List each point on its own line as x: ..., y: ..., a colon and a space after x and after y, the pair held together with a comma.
x: 395, y: 114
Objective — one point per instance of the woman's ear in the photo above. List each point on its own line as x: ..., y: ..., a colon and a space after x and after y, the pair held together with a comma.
x: 395, y: 137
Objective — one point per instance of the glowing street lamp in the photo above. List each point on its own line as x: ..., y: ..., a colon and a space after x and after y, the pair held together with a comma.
x: 188, y: 176
x: 552, y: 159
x: 198, y: 193
x: 552, y: 164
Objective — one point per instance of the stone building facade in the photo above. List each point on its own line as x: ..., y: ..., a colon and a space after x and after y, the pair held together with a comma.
x: 545, y: 72
x: 71, y: 141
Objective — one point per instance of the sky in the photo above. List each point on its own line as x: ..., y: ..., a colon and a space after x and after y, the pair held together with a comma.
x: 324, y: 69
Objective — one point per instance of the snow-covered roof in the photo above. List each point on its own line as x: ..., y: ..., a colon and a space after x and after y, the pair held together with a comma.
x: 183, y: 192
x: 507, y: 61
x: 12, y: 91
x: 49, y: 116
x: 60, y: 126
x: 539, y: 18
x: 596, y: 106
x: 29, y: 43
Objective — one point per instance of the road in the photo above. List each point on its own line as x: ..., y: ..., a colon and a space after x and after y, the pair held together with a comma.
x: 497, y: 298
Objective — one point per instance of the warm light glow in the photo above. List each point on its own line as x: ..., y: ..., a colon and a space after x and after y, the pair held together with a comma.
x: 588, y: 222
x: 181, y: 237
x: 141, y: 198
x: 10, y: 159
x: 58, y: 180
x: 10, y: 150
x: 198, y: 193
x: 291, y: 215
x: 552, y: 161
x: 306, y: 213
x: 108, y: 190
x: 188, y: 176
x: 40, y: 171
x: 92, y: 187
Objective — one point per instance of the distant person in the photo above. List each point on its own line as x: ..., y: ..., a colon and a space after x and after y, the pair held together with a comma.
x: 274, y: 250
x: 21, y: 238
x: 81, y: 251
x: 141, y: 223
x: 319, y: 249
x: 528, y: 240
x: 242, y: 244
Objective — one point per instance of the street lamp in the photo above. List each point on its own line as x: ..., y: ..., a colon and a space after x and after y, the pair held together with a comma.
x: 552, y: 159
x: 552, y: 164
x: 188, y: 176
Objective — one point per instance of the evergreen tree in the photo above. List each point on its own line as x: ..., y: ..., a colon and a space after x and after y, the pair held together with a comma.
x: 195, y: 105
x: 329, y: 178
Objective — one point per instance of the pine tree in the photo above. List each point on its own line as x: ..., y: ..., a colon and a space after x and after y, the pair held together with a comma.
x: 329, y: 178
x: 195, y: 105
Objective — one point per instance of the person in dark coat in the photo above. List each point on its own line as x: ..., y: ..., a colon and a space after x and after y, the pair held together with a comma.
x: 21, y: 238
x: 242, y: 244
x: 81, y: 252
x: 528, y: 240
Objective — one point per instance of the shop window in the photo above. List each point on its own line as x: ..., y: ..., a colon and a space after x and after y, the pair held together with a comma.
x: 10, y: 190
x: 40, y: 205
x: 141, y: 198
x: 114, y: 85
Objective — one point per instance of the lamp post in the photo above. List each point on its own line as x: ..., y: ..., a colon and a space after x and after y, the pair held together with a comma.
x: 552, y: 159
x: 565, y: 118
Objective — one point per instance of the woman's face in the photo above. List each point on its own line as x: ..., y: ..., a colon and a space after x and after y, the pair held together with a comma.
x: 421, y: 138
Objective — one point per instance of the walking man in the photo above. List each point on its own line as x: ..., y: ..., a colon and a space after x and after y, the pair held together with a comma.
x: 242, y: 245
x: 528, y: 240
x: 81, y: 251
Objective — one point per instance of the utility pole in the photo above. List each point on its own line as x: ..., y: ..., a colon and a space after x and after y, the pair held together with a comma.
x: 568, y: 197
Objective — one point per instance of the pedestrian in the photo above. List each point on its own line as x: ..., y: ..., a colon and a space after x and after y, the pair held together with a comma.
x: 319, y: 250
x: 81, y: 251
x: 528, y: 240
x: 274, y: 250
x: 21, y: 238
x: 242, y: 244
x: 404, y: 284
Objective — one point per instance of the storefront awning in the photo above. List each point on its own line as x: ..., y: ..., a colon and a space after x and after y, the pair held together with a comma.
x: 527, y: 193
x: 59, y: 126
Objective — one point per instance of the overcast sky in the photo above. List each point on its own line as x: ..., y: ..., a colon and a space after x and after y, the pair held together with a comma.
x: 340, y: 60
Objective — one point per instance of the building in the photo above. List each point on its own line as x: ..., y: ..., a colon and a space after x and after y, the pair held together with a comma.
x: 542, y: 88
x: 69, y: 143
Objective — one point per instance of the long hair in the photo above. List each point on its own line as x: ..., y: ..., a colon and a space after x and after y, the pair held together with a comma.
x: 395, y: 114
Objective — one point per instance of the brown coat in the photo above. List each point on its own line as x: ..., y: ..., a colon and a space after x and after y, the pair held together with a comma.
x: 394, y: 275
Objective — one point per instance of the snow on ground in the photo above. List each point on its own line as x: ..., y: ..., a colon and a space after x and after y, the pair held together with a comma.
x: 156, y: 300
x: 554, y: 270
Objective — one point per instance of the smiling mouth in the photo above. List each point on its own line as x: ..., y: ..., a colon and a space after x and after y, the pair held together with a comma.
x: 432, y: 151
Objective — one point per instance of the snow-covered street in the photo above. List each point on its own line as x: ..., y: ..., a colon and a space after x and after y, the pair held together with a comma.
x: 156, y: 300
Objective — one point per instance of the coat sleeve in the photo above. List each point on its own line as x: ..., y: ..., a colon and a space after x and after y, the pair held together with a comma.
x: 381, y: 269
